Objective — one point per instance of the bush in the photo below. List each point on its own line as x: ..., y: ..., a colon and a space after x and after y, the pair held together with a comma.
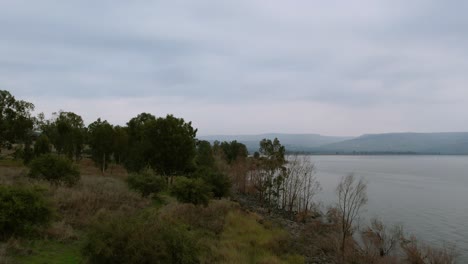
x: 220, y: 183
x: 22, y: 211
x: 42, y: 145
x: 55, y: 169
x: 121, y: 239
x: 195, y: 191
x: 146, y: 183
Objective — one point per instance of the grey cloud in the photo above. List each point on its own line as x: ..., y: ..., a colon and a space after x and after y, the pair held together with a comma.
x: 356, y: 55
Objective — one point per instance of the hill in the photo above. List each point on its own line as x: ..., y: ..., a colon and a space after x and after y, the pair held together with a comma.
x: 292, y: 142
x: 417, y: 143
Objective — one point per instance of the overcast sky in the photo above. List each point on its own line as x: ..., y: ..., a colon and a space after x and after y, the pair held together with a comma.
x: 244, y: 67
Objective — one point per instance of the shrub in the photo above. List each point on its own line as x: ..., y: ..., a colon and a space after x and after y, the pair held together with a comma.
x: 55, y: 169
x: 194, y: 191
x: 22, y: 211
x: 146, y: 183
x: 79, y: 205
x: 122, y: 239
x: 42, y: 145
x: 220, y: 183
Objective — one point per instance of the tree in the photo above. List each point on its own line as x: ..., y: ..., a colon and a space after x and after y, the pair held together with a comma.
x: 66, y: 131
x: 204, y: 157
x: 174, y: 145
x: 379, y: 240
x: 194, y: 191
x: 120, y: 143
x: 101, y: 141
x: 270, y: 176
x: 167, y: 145
x: 55, y: 169
x: 299, y: 186
x: 352, y: 197
x: 16, y: 123
x: 22, y: 211
x: 140, y: 150
x: 146, y: 183
x: 233, y: 150
x: 42, y: 145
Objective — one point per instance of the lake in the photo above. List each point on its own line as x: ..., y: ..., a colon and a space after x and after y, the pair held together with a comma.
x: 427, y: 194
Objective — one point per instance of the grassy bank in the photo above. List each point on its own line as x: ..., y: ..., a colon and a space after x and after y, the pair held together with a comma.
x: 222, y: 231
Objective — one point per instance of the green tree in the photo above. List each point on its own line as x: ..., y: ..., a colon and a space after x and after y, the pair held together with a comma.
x: 174, y: 145
x: 101, y: 141
x: 146, y: 182
x: 121, y: 144
x: 67, y: 132
x: 55, y: 169
x: 219, y: 183
x: 140, y: 149
x: 22, y: 211
x: 233, y: 150
x: 272, y: 170
x: 195, y: 191
x: 42, y: 145
x: 204, y: 157
x: 16, y: 123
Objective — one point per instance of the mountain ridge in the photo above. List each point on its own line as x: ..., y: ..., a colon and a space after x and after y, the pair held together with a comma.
x: 448, y: 143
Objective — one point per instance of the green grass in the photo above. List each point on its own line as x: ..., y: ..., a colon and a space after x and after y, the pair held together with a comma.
x: 52, y: 252
x: 11, y: 163
x: 244, y: 240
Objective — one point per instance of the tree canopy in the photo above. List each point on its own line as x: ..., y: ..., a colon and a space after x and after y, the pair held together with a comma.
x: 16, y: 123
x: 101, y: 142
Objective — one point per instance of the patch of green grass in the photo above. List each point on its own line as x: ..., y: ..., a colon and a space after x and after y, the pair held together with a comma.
x: 53, y: 252
x: 245, y: 240
x: 11, y: 163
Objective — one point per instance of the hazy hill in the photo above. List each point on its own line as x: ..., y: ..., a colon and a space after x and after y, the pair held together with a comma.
x: 422, y: 143
x: 292, y: 142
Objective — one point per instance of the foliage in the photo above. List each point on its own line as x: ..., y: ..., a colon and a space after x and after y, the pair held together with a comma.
x: 66, y: 131
x: 204, y: 157
x: 245, y: 240
x: 219, y: 182
x: 166, y: 144
x: 55, y: 169
x: 122, y: 239
x: 42, y: 145
x: 270, y: 171
x: 22, y: 211
x: 120, y: 144
x: 15, y: 119
x: 173, y: 142
x: 51, y: 251
x: 146, y: 182
x: 101, y: 141
x: 231, y: 150
x: 140, y: 149
x: 195, y: 191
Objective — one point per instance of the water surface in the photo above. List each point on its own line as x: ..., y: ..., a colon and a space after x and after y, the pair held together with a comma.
x: 427, y: 194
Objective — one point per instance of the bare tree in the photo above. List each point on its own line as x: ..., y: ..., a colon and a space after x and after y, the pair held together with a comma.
x: 379, y: 240
x: 416, y: 252
x: 300, y: 185
x: 352, y: 197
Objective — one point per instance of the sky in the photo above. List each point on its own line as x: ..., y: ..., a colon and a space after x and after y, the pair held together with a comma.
x: 340, y: 68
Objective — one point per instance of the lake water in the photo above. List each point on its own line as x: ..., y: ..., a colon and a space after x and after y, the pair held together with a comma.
x: 427, y: 194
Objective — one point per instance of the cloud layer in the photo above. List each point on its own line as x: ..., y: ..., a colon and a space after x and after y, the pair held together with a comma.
x: 331, y: 67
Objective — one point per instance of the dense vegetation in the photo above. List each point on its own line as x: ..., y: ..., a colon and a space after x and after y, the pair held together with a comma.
x: 150, y: 192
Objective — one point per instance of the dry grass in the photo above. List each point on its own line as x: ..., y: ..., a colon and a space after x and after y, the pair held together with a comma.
x: 60, y: 231
x: 87, y: 167
x: 79, y: 204
x: 211, y: 217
